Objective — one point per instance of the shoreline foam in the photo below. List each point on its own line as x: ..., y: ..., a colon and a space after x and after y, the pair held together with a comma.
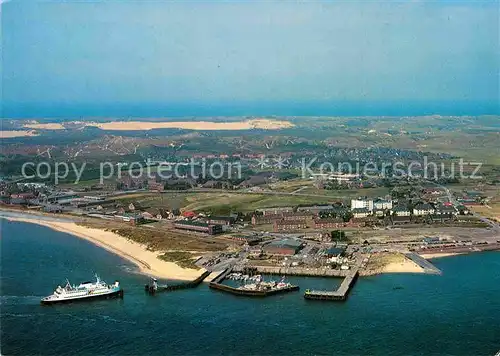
x: 145, y: 260
x: 429, y: 256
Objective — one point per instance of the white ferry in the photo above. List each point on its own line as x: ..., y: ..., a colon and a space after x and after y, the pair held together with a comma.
x: 84, y: 291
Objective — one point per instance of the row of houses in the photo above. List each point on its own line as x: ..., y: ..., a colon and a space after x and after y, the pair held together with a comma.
x: 283, y: 216
x: 420, y: 209
x: 433, y: 218
x: 289, y: 225
x: 329, y: 223
x: 370, y: 221
x: 325, y: 223
x: 305, y: 209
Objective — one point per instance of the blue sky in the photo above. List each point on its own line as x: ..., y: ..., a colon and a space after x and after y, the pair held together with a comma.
x: 138, y: 53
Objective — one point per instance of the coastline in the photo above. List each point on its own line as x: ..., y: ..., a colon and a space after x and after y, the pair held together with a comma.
x: 384, y: 263
x: 145, y: 260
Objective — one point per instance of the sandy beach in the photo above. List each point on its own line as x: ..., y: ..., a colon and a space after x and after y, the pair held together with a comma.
x: 406, y: 266
x: 391, y: 263
x: 147, y: 261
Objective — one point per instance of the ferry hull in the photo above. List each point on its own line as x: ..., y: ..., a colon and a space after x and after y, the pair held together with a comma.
x: 116, y: 294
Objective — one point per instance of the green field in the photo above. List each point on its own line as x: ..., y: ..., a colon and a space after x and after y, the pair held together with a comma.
x: 220, y: 203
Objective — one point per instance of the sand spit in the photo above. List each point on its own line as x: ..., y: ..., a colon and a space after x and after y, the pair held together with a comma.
x: 194, y: 125
x: 20, y: 133
x: 263, y: 124
x: 48, y: 126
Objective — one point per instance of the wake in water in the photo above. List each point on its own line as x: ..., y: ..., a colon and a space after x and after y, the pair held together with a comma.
x: 20, y: 299
x: 18, y: 315
x: 108, y: 318
x: 99, y: 318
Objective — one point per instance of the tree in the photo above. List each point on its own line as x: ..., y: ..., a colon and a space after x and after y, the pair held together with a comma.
x: 348, y: 216
x: 338, y: 235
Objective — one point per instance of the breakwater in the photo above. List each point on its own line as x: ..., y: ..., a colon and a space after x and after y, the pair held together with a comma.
x: 152, y: 289
x: 340, y: 294
x: 423, y: 263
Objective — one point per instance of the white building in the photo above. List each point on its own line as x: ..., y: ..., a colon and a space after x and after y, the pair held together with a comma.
x: 339, y: 177
x: 400, y: 211
x: 360, y: 212
x: 362, y: 204
x: 423, y: 209
x: 382, y: 204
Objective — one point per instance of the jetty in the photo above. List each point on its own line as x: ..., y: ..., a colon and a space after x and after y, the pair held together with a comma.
x: 221, y: 276
x: 154, y: 288
x: 340, y: 294
x: 423, y: 263
x: 217, y: 285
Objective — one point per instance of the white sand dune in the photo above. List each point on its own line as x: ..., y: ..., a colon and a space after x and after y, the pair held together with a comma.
x: 47, y: 126
x: 264, y: 124
x: 17, y: 133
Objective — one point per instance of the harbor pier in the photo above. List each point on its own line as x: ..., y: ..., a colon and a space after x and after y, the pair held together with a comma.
x: 153, y: 288
x: 340, y: 294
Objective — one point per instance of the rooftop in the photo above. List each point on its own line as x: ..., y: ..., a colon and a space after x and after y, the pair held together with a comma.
x: 400, y: 208
x: 335, y: 251
x: 286, y: 243
x: 329, y: 220
x: 191, y: 223
x: 360, y: 210
x: 423, y: 206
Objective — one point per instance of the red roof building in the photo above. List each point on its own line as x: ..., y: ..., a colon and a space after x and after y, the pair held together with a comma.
x: 189, y: 214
